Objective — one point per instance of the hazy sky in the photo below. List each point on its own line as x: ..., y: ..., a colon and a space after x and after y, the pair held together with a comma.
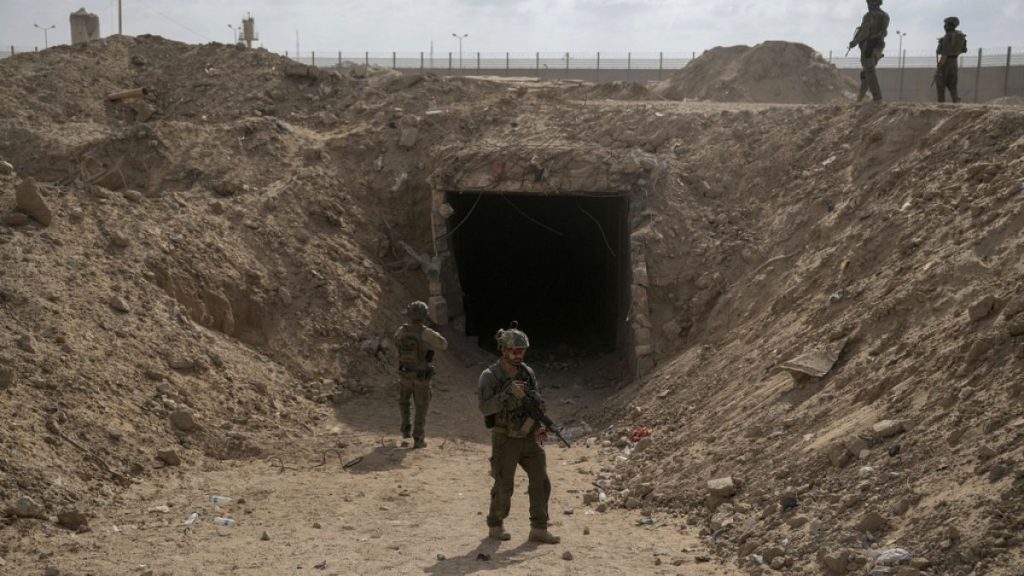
x: 672, y: 26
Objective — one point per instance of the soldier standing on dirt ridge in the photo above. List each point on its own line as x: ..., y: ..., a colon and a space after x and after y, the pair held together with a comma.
x: 416, y: 345
x: 516, y: 438
x: 870, y: 37
x: 951, y: 46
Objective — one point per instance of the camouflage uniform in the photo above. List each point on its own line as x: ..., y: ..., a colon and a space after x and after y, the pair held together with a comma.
x: 415, y: 370
x: 951, y: 46
x: 511, y: 446
x: 870, y: 38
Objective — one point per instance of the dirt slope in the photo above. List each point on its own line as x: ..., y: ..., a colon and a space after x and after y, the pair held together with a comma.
x: 224, y: 262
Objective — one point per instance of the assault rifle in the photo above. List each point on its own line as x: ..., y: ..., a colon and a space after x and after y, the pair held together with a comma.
x: 530, y: 401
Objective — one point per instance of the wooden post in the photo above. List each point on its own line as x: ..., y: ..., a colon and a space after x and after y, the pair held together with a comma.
x: 661, y: 63
x: 366, y: 56
x: 566, y: 65
x: 477, y: 61
x: 977, y: 78
x: 449, y: 63
x: 597, y: 79
x: 538, y: 61
x: 339, y: 58
x: 394, y: 60
x: 507, y: 62
x: 313, y: 54
x: 629, y: 64
x: 421, y: 61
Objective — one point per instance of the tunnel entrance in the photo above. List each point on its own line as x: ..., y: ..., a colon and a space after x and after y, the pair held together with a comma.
x: 559, y: 265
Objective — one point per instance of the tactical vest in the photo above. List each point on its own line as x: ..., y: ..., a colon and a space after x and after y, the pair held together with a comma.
x: 512, y: 415
x: 412, y: 354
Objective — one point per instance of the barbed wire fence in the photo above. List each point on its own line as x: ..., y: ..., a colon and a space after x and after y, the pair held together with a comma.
x: 984, y: 74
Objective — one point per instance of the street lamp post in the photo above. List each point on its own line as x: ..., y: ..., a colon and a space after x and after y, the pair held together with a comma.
x: 903, y: 61
x: 46, y: 38
x: 234, y: 34
x: 460, y: 46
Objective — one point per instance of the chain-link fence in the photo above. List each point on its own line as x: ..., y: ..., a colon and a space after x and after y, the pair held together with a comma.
x: 985, y: 73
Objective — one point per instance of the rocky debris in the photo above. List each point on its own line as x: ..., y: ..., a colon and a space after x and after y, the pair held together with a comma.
x: 872, y: 522
x: 26, y: 507
x: 27, y: 343
x: 265, y: 536
x: 170, y: 457
x: 73, y: 520
x: 119, y: 305
x: 408, y: 137
x: 184, y: 420
x: 6, y: 168
x: 15, y: 219
x: 720, y: 490
x: 118, y: 239
x: 982, y: 308
x: 31, y: 202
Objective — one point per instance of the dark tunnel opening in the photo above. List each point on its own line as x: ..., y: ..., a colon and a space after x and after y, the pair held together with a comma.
x: 557, y: 265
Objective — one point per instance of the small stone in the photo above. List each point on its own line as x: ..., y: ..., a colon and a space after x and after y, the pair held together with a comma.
x: 408, y: 138
x: 317, y: 525
x: 51, y: 571
x: 997, y: 472
x: 887, y: 428
x: 566, y: 555
x: 722, y: 487
x: 183, y: 420
x: 26, y: 507
x: 265, y: 536
x: 27, y: 343
x: 586, y: 531
x: 986, y: 453
x: 6, y: 168
x: 169, y: 457
x: 7, y: 377
x: 73, y: 520
x: 982, y: 308
x: 602, y: 507
x: 483, y: 557
x: 133, y: 196
x: 118, y: 304
x: 118, y: 239
x: 798, y: 521
x: 15, y: 219
x: 29, y: 201
x: 872, y: 522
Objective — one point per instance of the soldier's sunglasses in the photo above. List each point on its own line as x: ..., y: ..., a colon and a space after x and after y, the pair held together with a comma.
x: 517, y: 351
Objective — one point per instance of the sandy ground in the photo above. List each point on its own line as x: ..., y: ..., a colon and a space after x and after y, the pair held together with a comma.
x: 393, y: 510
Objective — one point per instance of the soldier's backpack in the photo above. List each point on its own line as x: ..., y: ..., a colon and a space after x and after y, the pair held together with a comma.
x: 959, y: 42
x: 410, y: 348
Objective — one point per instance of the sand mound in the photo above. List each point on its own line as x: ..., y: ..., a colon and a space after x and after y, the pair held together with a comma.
x: 775, y: 71
x: 1007, y: 101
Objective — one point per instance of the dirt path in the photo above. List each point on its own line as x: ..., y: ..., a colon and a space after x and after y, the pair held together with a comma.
x: 396, y: 511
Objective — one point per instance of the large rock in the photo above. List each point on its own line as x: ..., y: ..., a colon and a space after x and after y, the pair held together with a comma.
x: 73, y: 520
x: 872, y: 522
x: 722, y: 487
x: 184, y: 420
x: 6, y: 169
x: 29, y: 201
x: 982, y: 308
x: 887, y: 428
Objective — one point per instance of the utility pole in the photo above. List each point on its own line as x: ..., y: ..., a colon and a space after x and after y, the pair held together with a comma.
x: 296, y: 44
x: 119, y: 31
x: 46, y: 39
x: 234, y: 34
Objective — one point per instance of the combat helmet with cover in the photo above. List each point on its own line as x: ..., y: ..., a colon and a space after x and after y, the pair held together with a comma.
x: 951, y: 23
x: 416, y: 311
x: 513, y: 337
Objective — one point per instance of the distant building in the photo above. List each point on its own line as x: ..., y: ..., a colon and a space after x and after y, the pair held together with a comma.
x: 85, y: 26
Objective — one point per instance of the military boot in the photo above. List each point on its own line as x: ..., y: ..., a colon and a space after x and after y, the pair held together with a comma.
x: 406, y: 430
x: 543, y: 536
x: 498, y: 533
x: 419, y: 443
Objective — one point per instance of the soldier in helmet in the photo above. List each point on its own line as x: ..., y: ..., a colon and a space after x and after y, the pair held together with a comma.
x: 870, y: 38
x: 416, y: 345
x: 951, y: 46
x: 516, y: 440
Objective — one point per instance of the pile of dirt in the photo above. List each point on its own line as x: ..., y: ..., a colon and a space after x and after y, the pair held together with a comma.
x: 774, y: 71
x: 205, y: 273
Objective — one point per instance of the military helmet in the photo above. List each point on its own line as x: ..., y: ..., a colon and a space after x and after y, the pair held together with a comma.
x: 874, y: 2
x: 951, y: 22
x: 416, y: 311
x: 512, y: 338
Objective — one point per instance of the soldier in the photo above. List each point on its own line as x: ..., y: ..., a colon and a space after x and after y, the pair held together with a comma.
x: 870, y: 37
x: 416, y: 345
x: 515, y: 438
x: 951, y: 46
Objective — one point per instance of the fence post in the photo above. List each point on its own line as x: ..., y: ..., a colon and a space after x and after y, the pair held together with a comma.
x: 566, y: 65
x: 366, y: 56
x: 313, y: 54
x: 629, y: 64
x: 507, y: 69
x: 977, y: 78
x: 597, y: 78
x: 829, y: 56
x: 394, y: 60
x: 661, y: 63
x: 12, y: 49
x: 449, y: 63
x: 477, y: 61
x: 286, y: 54
x: 903, y: 61
x: 339, y: 58
x: 538, y: 63
x: 421, y: 61
x: 1006, y: 79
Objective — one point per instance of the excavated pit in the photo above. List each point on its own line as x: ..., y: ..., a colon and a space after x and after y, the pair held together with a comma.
x: 559, y: 265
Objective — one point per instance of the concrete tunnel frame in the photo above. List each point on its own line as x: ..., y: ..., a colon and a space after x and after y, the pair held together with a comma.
x: 574, y: 174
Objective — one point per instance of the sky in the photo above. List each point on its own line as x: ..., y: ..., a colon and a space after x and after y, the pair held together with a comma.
x: 518, y: 26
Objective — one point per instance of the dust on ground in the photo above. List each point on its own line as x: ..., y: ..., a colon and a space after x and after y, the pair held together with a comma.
x: 197, y: 288
x: 773, y: 71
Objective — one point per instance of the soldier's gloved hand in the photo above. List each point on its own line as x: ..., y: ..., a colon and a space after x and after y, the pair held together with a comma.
x: 541, y: 435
